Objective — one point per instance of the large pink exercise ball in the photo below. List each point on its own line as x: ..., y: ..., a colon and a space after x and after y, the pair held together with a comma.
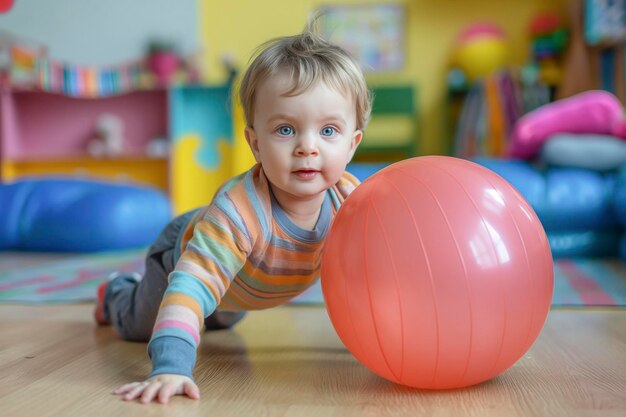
x: 437, y: 273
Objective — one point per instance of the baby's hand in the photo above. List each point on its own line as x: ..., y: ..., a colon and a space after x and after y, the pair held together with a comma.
x: 161, y: 387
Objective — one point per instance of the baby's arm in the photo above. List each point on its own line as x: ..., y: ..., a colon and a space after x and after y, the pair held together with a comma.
x: 202, y: 275
x: 173, y: 346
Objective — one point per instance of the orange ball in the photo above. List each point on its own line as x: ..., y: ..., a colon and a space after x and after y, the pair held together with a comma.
x: 437, y: 273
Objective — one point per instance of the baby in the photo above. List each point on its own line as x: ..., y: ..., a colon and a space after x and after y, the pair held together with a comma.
x: 258, y: 243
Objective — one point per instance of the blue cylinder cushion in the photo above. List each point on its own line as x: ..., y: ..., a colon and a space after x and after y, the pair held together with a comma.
x: 76, y: 215
x: 564, y: 198
x: 584, y: 243
x: 619, y: 197
x: 595, y: 152
x: 619, y: 205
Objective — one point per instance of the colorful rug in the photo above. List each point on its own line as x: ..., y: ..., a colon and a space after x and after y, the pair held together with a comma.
x: 73, y: 279
x: 589, y: 282
x: 580, y: 282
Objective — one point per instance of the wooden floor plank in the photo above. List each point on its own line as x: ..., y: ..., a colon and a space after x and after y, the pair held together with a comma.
x: 288, y: 362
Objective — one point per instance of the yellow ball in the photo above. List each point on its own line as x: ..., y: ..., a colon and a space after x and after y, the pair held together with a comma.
x: 481, y: 57
x: 481, y: 49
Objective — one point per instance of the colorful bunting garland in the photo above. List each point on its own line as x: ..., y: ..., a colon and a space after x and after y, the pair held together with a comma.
x: 30, y: 67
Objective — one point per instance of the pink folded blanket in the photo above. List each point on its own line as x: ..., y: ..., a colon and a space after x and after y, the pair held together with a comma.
x: 594, y: 111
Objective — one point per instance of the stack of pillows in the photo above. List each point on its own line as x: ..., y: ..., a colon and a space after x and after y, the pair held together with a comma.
x: 569, y: 162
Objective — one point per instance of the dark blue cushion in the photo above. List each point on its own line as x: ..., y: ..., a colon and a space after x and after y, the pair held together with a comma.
x: 584, y: 243
x: 77, y: 215
x: 563, y: 198
x: 619, y: 198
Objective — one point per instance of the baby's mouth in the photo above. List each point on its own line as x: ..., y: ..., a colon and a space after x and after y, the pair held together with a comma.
x: 306, y: 174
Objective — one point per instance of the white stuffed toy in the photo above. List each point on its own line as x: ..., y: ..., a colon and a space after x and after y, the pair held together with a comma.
x: 108, y: 140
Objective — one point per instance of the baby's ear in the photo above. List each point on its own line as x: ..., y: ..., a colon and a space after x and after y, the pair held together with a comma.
x: 251, y: 138
x: 356, y: 138
x: 356, y: 141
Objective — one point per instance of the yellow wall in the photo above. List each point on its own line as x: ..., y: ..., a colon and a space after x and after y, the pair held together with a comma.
x: 238, y: 27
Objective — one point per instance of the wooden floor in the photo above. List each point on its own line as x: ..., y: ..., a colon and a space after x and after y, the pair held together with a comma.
x: 288, y: 362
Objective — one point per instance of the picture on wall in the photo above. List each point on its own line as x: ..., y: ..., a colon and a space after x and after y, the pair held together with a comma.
x: 373, y: 33
x: 605, y: 21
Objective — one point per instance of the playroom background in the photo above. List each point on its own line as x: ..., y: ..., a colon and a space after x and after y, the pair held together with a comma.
x: 115, y: 116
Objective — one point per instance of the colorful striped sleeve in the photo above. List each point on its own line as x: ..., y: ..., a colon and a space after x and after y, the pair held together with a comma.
x: 340, y: 191
x: 347, y: 183
x: 216, y: 252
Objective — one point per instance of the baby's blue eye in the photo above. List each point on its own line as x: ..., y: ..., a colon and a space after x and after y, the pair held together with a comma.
x: 285, y: 130
x: 328, y: 131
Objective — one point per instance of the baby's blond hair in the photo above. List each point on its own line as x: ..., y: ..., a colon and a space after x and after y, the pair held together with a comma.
x: 308, y: 59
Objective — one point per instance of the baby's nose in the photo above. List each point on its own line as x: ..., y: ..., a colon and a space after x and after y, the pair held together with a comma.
x: 307, y: 145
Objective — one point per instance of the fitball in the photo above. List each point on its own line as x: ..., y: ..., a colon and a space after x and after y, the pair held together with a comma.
x: 437, y: 274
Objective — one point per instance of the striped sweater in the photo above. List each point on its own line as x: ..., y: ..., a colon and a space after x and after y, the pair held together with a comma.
x: 241, y: 252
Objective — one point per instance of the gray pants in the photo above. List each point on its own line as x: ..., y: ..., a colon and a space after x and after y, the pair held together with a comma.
x: 132, y: 305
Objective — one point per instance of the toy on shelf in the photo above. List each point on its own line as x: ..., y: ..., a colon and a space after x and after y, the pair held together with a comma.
x: 159, y: 147
x: 163, y: 61
x: 108, y: 140
x: 548, y: 41
x: 167, y: 66
x: 18, y: 60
